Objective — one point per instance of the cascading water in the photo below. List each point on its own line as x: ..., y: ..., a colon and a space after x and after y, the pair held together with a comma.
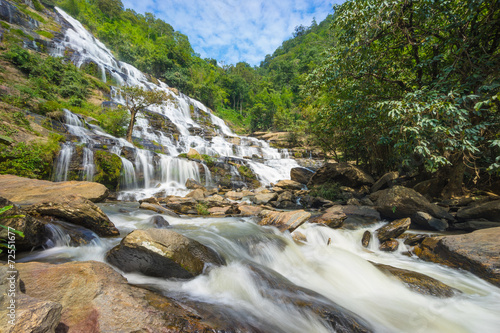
x: 62, y: 162
x: 88, y: 164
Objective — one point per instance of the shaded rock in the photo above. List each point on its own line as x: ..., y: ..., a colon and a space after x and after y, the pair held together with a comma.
x: 365, y: 240
x: 193, y: 184
x: 289, y: 185
x: 248, y: 210
x: 487, y: 210
x: 162, y: 253
x: 359, y: 216
x: 333, y: 217
x: 197, y: 194
x: 284, y: 220
x: 309, y: 201
x: 393, y: 229
x: 389, y: 246
x: 76, y: 210
x: 26, y: 191
x: 430, y: 188
x: 264, y: 198
x: 159, y: 221
x: 285, y: 204
x: 418, y: 282
x: 429, y: 222
x: 342, y: 173
x: 414, y: 239
x: 385, y: 181
x: 158, y: 209
x: 95, y: 298
x: 353, y: 202
x: 475, y: 225
x: 477, y: 252
x: 301, y: 175
x: 193, y: 154
x: 398, y: 202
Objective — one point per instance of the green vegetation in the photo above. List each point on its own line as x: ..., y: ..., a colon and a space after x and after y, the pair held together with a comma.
x: 4, y: 242
x: 108, y: 168
x: 328, y: 191
x: 202, y: 208
x: 114, y: 121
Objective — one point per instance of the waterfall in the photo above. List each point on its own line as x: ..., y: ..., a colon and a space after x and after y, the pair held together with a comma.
x: 175, y: 172
x: 144, y: 166
x: 62, y: 163
x: 88, y: 164
x: 208, y: 175
x: 128, y: 178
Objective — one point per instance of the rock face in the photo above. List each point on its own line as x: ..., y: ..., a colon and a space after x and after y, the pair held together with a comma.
x: 79, y: 211
x: 342, y: 173
x: 25, y: 191
x: 284, y: 220
x: 393, y: 229
x: 477, y: 252
x: 95, y: 298
x: 301, y: 175
x: 398, y: 202
x: 488, y: 210
x: 162, y: 253
x: 429, y: 222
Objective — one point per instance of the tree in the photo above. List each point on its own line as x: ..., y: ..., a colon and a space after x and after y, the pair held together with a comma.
x: 138, y: 99
x: 416, y: 80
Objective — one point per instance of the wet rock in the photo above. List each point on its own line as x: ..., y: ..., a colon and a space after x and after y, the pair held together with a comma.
x: 342, y: 173
x: 193, y: 184
x: 152, y: 200
x: 398, y: 202
x: 359, y: 216
x: 333, y: 217
x: 476, y: 252
x: 157, y: 209
x: 385, y: 181
x: 365, y: 240
x: 220, y: 211
x: 233, y: 195
x: 414, y: 239
x: 393, y: 229
x: 197, y: 194
x: 389, y: 246
x: 475, y: 225
x: 162, y: 253
x: 289, y: 185
x: 487, y: 210
x: 249, y: 210
x: 418, y: 282
x: 159, y: 221
x: 264, y: 198
x: 301, y: 175
x: 25, y: 191
x: 92, y: 294
x: 182, y: 205
x: 284, y: 220
x: 299, y: 237
x: 429, y: 222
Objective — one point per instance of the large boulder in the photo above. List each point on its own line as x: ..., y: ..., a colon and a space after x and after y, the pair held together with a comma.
x: 25, y: 191
x: 162, y: 253
x: 342, y: 173
x: 284, y: 220
x: 477, y: 252
x: 429, y: 222
x: 76, y: 210
x: 393, y: 229
x: 182, y: 205
x: 264, y: 198
x: 193, y: 184
x: 486, y: 210
x: 385, y: 181
x: 289, y: 185
x: 95, y: 298
x: 333, y: 217
x: 399, y: 202
x: 301, y: 175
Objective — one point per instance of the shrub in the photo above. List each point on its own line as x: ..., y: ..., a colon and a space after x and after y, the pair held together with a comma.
x: 329, y: 191
x: 114, y: 121
x: 201, y: 208
x: 108, y: 168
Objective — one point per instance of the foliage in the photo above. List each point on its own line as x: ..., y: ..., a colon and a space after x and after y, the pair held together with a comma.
x: 328, y: 191
x: 114, y: 121
x: 209, y: 160
x: 202, y: 208
x: 3, y: 242
x: 108, y: 168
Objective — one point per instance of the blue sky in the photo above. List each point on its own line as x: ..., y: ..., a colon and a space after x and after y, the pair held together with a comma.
x: 230, y: 30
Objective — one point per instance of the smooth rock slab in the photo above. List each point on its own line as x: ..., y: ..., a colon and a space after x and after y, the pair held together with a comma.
x: 284, y: 220
x: 162, y: 253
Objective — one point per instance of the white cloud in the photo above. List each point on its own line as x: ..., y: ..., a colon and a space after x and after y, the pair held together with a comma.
x: 231, y: 31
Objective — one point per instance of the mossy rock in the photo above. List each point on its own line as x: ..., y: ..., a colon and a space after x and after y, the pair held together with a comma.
x: 108, y: 168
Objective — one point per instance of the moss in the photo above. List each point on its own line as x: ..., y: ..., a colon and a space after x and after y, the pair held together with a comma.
x: 108, y: 168
x: 183, y: 155
x: 246, y: 172
x: 45, y: 34
x: 201, y: 208
x: 5, y: 25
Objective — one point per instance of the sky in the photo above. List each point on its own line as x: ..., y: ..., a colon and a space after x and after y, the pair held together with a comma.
x: 231, y: 31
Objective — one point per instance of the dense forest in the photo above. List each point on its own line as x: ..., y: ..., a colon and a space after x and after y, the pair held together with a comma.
x: 401, y: 84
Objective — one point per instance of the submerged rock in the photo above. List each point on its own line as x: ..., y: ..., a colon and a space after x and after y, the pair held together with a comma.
x: 284, y: 220
x: 159, y: 221
x: 158, y: 209
x: 162, y: 253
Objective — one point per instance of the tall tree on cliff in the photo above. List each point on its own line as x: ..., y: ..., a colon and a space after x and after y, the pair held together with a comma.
x: 137, y: 100
x: 410, y: 81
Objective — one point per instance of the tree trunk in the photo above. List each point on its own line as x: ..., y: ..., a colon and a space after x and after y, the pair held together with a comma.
x: 454, y: 176
x: 130, y: 128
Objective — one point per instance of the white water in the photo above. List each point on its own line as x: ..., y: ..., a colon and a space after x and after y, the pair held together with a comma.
x: 178, y: 109
x: 341, y: 272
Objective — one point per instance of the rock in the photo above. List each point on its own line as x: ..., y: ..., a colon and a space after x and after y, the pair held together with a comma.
x: 76, y: 210
x: 430, y: 188
x: 359, y: 216
x: 477, y: 252
x: 393, y: 229
x: 95, y: 298
x: 193, y: 154
x: 487, y: 210
x: 182, y: 205
x: 234, y: 195
x: 353, y: 202
x: 158, y: 209
x: 193, y: 184
x: 385, y: 181
x: 248, y: 210
x: 151, y: 200
x: 308, y: 201
x: 25, y: 191
x: 289, y: 185
x: 284, y: 220
x: 367, y: 236
x: 342, y: 173
x: 159, y: 221
x: 414, y: 239
x: 398, y: 202
x: 285, y: 204
x: 389, y: 246
x: 333, y: 217
x: 428, y: 222
x: 286, y: 196
x: 299, y: 237
x: 162, y: 253
x: 418, y: 282
x: 301, y: 175
x: 197, y: 194
x: 264, y: 198
x: 475, y: 225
